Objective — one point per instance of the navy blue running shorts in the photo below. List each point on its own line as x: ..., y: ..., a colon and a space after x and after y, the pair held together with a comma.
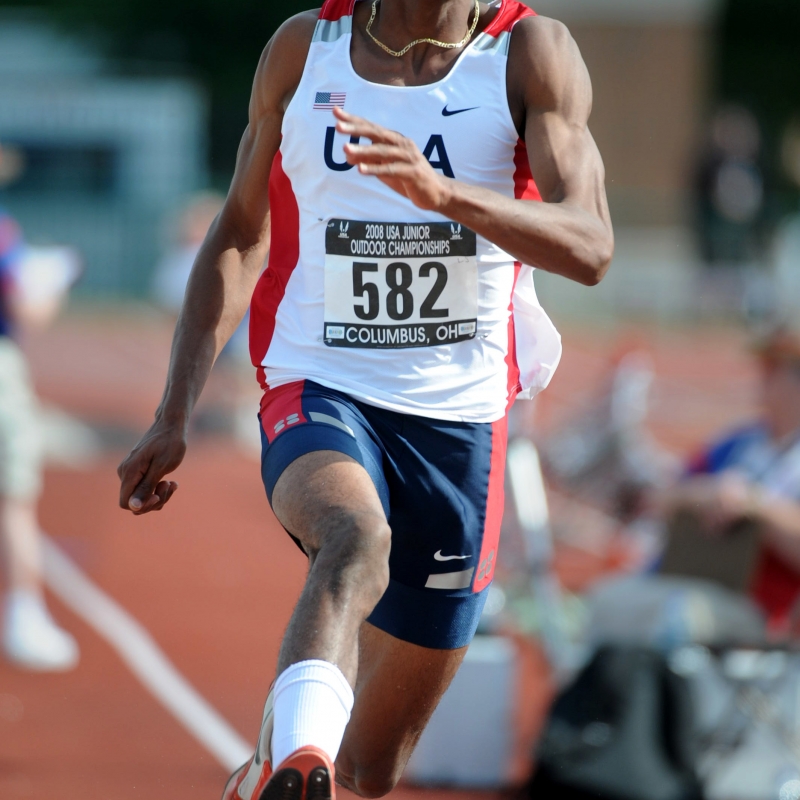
x: 441, y: 486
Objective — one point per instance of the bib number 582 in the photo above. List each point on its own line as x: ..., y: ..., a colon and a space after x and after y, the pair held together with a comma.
x: 400, y: 298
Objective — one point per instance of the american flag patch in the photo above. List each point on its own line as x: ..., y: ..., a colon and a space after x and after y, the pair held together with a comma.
x: 326, y: 101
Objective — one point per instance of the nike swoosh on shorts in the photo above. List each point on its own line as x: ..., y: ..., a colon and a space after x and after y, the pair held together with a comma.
x: 439, y: 557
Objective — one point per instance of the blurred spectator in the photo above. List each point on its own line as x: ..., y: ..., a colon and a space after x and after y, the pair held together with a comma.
x: 605, y: 456
x: 31, y: 638
x: 172, y: 272
x: 730, y: 190
x: 790, y: 151
x: 753, y: 475
x: 787, y: 241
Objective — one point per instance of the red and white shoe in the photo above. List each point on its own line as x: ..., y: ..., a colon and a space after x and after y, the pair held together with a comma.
x: 307, y: 774
x: 248, y: 782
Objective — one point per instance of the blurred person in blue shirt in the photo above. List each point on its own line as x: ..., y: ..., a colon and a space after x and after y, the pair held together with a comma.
x: 30, y: 637
x: 753, y: 474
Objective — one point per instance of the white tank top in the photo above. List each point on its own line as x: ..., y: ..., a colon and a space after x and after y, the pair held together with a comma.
x: 367, y: 294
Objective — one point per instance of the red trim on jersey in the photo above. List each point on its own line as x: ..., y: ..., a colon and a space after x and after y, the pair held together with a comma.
x: 525, y: 187
x: 333, y: 10
x: 284, y: 254
x: 514, y: 387
x: 508, y: 16
x: 495, y: 500
x: 281, y: 408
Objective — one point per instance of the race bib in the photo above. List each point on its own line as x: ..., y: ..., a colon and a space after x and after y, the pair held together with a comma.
x: 397, y: 284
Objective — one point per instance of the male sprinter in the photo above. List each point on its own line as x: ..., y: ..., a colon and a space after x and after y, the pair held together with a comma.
x: 392, y: 329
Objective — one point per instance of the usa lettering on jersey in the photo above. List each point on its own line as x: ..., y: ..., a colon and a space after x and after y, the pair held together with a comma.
x: 434, y: 151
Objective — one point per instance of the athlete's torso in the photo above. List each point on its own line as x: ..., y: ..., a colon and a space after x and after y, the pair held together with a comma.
x: 366, y: 293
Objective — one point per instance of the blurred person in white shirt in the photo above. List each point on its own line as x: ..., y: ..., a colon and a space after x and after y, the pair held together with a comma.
x: 30, y: 294
x: 173, y: 270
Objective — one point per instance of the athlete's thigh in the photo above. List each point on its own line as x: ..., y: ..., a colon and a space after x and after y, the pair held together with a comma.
x: 321, y: 463
x: 321, y: 490
x: 398, y: 688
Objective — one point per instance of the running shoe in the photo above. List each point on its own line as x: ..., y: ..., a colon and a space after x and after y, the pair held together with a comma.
x: 248, y: 782
x: 32, y: 639
x: 307, y: 774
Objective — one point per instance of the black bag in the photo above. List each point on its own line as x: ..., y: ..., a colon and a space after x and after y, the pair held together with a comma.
x: 623, y: 730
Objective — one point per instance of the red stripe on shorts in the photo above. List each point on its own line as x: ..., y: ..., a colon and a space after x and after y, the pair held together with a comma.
x: 281, y: 408
x: 494, y: 507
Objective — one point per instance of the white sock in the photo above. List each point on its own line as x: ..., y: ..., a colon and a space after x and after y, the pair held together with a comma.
x: 313, y: 701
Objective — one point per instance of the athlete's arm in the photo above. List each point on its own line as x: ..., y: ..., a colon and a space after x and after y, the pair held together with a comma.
x: 224, y: 274
x: 550, y: 96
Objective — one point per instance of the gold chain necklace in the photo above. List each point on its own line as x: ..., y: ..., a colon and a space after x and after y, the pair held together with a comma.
x: 445, y: 45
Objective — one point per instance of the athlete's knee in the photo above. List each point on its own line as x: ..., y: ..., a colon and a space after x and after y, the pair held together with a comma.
x: 373, y: 780
x: 354, y: 553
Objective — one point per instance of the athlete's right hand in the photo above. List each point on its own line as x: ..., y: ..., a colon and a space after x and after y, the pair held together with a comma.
x: 159, y: 452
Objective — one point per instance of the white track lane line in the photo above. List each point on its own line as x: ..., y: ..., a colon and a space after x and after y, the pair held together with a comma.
x: 144, y: 657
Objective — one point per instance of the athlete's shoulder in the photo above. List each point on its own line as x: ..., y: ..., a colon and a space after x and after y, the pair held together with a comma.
x: 297, y: 31
x: 281, y: 66
x: 542, y: 40
x: 545, y: 62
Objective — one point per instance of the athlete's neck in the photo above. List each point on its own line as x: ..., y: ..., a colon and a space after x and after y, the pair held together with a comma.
x: 401, y: 21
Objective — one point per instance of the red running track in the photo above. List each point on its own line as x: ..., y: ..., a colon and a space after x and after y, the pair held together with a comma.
x: 213, y: 577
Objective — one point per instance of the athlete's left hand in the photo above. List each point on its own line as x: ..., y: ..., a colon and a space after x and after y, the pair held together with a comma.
x: 395, y: 160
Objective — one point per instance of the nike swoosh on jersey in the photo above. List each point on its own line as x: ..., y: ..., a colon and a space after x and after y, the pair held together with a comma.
x: 439, y: 557
x: 447, y: 113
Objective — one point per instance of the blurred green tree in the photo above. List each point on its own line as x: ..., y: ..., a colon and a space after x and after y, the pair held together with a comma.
x: 217, y: 41
x: 760, y: 57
